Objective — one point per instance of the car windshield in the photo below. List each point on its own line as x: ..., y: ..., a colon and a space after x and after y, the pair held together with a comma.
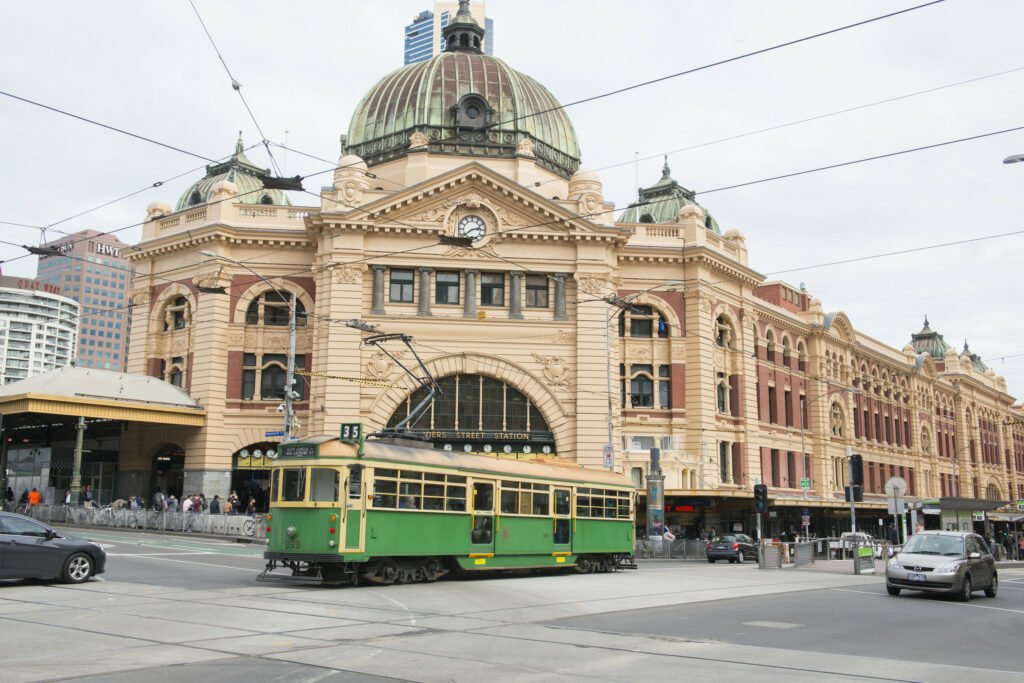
x: 725, y: 539
x: 933, y: 544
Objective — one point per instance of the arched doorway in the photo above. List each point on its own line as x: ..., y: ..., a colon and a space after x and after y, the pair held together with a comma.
x: 250, y: 474
x: 169, y: 470
x: 479, y: 414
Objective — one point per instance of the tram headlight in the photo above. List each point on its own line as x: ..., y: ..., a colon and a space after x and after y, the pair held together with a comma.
x: 331, y: 543
x: 291, y: 531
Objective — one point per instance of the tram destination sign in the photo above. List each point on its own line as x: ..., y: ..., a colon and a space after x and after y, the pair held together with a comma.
x: 299, y: 450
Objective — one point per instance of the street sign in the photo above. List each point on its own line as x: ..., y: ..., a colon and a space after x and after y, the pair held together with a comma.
x: 609, y: 456
x: 805, y: 483
x: 896, y: 506
x: 277, y: 433
x: 1020, y: 505
x: 806, y: 520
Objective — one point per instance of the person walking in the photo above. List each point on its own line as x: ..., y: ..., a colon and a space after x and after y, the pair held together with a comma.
x: 85, y: 496
x: 159, y: 501
x: 215, y: 505
x: 34, y: 498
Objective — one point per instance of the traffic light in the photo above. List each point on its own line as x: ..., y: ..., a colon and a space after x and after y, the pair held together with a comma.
x: 858, y: 494
x: 760, y: 497
x: 856, y: 470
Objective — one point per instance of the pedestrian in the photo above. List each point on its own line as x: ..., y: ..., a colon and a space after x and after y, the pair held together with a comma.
x: 67, y: 497
x: 186, y: 503
x: 703, y: 534
x: 34, y: 498
x: 8, y: 497
x: 85, y: 496
x: 233, y: 499
x: 227, y: 508
x: 172, y: 503
x: 251, y: 508
x: 215, y: 505
x: 133, y: 502
x: 1020, y: 548
x: 159, y: 500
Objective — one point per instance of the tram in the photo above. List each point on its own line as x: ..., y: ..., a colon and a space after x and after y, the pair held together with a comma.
x: 354, y: 511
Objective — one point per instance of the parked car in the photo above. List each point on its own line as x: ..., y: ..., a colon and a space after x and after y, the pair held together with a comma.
x: 31, y: 549
x: 732, y: 547
x: 954, y: 562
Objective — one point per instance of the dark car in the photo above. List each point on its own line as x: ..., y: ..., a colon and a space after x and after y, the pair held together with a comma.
x: 732, y: 547
x: 954, y: 562
x: 30, y: 549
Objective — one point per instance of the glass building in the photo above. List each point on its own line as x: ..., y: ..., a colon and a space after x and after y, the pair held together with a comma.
x: 423, y: 35
x: 38, y: 328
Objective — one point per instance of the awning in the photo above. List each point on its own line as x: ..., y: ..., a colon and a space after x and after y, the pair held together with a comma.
x: 1005, y: 516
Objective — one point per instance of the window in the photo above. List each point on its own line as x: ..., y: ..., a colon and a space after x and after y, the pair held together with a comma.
x: 664, y: 387
x: 773, y: 409
x: 446, y: 288
x: 536, y: 291
x: 492, y: 289
x: 523, y: 498
x: 408, y: 490
x: 276, y: 310
x: 401, y: 286
x: 722, y: 394
x: 641, y: 386
x: 323, y: 485
x: 602, y: 503
x: 723, y: 461
x: 293, y: 485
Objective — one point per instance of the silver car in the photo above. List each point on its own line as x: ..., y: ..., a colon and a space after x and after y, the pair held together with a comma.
x: 954, y: 562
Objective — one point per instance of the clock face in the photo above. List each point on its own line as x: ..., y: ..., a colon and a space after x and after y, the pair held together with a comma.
x: 472, y: 227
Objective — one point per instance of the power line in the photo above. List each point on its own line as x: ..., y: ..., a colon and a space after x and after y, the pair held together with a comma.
x: 108, y: 127
x: 237, y: 87
x: 719, y: 63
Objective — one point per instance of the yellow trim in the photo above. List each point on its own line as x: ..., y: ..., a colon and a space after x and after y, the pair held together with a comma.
x: 99, y: 408
x: 557, y: 554
x: 480, y: 561
x: 559, y: 559
x: 481, y: 555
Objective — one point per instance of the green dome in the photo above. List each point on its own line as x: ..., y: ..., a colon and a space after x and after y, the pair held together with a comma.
x: 465, y: 103
x: 661, y: 203
x: 247, y: 177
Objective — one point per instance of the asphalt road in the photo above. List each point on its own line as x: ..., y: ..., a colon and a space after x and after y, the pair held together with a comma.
x: 185, y: 608
x: 855, y: 620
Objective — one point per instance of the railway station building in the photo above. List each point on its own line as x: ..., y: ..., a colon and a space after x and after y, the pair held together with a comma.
x: 736, y: 378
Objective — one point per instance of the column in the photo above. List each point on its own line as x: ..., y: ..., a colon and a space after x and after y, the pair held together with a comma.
x: 378, y: 290
x: 560, y: 296
x: 469, y: 303
x: 515, y: 299
x: 424, y: 290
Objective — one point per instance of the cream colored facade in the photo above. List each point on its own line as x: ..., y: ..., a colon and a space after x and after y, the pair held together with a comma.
x: 728, y: 349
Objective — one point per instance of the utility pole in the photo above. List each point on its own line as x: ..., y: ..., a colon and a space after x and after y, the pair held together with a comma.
x: 849, y: 467
x: 289, y: 378
x: 76, y: 473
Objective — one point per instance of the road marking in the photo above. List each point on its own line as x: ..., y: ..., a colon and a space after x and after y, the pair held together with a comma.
x: 936, y: 602
x: 201, y: 564
x: 771, y: 624
x: 182, y: 552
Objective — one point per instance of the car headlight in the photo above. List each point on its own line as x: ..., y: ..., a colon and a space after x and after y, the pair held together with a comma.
x: 949, y: 568
x: 894, y: 563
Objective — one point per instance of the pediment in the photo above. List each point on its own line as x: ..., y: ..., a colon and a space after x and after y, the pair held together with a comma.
x: 509, y: 209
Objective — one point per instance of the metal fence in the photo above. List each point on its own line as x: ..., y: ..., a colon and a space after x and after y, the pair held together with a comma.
x: 679, y: 549
x: 788, y: 555
x: 238, y: 526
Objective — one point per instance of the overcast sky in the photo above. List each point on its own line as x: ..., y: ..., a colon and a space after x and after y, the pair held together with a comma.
x: 147, y: 67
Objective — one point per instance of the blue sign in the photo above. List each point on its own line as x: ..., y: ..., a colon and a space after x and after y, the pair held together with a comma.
x: 280, y: 433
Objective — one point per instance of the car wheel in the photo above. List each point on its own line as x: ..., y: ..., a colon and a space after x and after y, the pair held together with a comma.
x: 966, y: 590
x: 994, y: 588
x: 711, y: 560
x: 78, y: 568
x: 739, y: 557
x: 892, y: 590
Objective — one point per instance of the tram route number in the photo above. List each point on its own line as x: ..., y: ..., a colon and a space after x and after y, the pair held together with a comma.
x: 351, y: 431
x: 292, y: 544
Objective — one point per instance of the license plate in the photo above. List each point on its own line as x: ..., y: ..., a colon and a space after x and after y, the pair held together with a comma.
x: 915, y: 577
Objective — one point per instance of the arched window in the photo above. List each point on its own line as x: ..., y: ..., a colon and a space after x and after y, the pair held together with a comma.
x: 195, y: 198
x: 722, y: 394
x: 643, y: 321
x: 173, y: 372
x: 268, y: 372
x: 265, y: 199
x: 837, y: 420
x: 176, y: 315
x: 725, y: 334
x: 275, y: 310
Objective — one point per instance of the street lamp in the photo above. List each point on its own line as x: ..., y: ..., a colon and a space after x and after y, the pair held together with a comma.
x: 289, y: 379
x: 616, y: 302
x: 1016, y: 158
x: 803, y: 403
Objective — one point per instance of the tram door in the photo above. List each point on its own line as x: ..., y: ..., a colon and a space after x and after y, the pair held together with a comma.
x: 482, y: 533
x: 353, y: 503
x: 563, y: 521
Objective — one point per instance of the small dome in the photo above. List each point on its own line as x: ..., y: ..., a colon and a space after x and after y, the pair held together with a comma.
x: 735, y: 235
x: 349, y: 165
x: 245, y: 175
x: 663, y: 202
x: 224, y: 187
x: 585, y: 175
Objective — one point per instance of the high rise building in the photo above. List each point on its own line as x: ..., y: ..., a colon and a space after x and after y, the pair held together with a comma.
x: 91, y: 270
x: 38, y: 328
x: 423, y: 35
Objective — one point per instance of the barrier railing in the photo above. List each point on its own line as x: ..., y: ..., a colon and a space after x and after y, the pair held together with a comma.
x: 239, y: 526
x: 679, y: 549
x: 788, y: 555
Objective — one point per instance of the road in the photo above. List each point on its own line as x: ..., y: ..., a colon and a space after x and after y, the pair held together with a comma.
x: 173, y: 608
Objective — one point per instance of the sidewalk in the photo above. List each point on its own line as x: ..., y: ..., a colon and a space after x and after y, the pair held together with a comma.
x: 83, y: 530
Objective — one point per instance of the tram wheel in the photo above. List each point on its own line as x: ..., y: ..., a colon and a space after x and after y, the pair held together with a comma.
x: 387, y: 571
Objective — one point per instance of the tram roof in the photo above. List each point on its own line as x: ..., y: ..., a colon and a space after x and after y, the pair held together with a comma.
x: 431, y: 457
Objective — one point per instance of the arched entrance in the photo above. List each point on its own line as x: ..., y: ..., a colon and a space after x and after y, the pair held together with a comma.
x: 169, y: 470
x: 250, y: 474
x: 479, y: 414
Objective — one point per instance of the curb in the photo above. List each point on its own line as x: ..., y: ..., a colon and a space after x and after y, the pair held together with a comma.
x: 176, y: 534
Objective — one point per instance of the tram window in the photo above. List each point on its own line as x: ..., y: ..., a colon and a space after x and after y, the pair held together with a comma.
x: 483, y: 497
x: 456, y: 479
x: 433, y: 495
x: 384, y: 493
x: 561, y: 531
x: 293, y: 484
x: 386, y: 473
x: 409, y: 495
x: 562, y: 502
x: 583, y: 503
x: 456, y: 497
x: 355, y: 481
x: 433, y: 477
x: 323, y: 485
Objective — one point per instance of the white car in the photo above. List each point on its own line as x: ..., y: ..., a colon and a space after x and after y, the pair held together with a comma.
x: 844, y: 547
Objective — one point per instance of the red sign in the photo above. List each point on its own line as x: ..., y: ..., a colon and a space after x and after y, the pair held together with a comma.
x: 678, y: 508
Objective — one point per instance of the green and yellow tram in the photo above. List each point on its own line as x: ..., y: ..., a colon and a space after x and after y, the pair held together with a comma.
x: 397, y: 512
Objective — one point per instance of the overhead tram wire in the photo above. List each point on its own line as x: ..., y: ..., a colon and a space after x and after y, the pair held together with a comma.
x: 718, y: 63
x: 797, y: 122
x: 108, y: 127
x: 237, y: 87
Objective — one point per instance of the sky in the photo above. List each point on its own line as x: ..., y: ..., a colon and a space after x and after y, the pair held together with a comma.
x: 149, y: 68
